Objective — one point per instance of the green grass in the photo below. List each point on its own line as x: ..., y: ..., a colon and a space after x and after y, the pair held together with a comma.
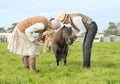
x: 105, y: 66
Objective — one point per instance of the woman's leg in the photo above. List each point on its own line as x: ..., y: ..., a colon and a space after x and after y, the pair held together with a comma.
x: 32, y: 63
x: 25, y: 60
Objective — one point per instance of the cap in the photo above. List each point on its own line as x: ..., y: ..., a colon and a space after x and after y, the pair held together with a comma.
x: 62, y: 17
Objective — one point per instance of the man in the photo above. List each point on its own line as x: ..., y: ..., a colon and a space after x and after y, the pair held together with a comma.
x: 23, y: 41
x: 82, y: 24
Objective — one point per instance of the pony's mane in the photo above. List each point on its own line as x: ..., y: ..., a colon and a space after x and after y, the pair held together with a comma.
x: 58, y: 35
x: 62, y: 33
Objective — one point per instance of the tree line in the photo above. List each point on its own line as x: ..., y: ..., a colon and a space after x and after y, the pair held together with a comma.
x: 8, y: 30
x: 112, y: 29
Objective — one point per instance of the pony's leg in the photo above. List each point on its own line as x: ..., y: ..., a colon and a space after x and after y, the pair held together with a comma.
x: 50, y: 45
x: 64, y: 58
x: 57, y: 60
x: 65, y: 55
x: 55, y: 50
x: 45, y: 49
x: 60, y: 57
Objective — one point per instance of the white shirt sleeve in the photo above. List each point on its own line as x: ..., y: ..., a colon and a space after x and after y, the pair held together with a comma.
x: 32, y: 29
x: 79, y: 24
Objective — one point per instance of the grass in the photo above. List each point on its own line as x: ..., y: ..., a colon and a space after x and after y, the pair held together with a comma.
x: 105, y: 66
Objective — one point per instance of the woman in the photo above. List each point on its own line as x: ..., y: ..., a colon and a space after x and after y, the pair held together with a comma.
x: 23, y: 41
x: 82, y: 24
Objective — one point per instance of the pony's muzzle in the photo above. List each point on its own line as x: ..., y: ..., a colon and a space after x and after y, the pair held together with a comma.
x: 70, y: 41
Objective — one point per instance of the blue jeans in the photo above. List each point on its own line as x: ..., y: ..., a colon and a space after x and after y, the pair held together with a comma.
x: 87, y: 44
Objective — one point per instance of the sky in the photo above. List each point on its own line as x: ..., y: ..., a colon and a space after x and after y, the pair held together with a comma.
x: 101, y: 11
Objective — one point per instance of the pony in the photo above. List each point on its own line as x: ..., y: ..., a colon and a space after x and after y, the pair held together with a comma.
x: 61, y: 41
x: 46, y: 39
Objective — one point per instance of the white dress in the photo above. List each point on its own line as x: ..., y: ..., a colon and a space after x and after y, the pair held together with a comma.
x: 21, y: 45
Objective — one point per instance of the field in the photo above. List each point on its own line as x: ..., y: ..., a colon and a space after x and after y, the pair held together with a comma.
x: 105, y: 66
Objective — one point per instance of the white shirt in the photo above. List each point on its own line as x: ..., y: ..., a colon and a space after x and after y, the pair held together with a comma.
x: 32, y: 29
x: 79, y: 24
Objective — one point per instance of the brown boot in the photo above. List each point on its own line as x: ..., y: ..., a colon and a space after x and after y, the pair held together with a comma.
x: 25, y: 60
x: 32, y: 63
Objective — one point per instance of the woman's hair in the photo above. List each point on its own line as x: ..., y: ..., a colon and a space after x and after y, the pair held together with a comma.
x: 54, y: 23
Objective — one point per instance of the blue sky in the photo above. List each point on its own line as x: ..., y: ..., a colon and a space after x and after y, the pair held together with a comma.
x: 102, y: 11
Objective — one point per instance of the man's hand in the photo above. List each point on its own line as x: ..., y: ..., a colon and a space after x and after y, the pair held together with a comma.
x: 73, y: 37
x: 36, y: 42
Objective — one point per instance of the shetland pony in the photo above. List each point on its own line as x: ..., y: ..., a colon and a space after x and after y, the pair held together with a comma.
x: 60, y: 43
x: 46, y: 39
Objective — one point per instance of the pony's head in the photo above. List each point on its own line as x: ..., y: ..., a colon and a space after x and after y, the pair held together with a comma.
x: 66, y: 34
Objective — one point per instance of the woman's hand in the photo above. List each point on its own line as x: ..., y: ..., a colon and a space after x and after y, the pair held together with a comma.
x: 36, y: 42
